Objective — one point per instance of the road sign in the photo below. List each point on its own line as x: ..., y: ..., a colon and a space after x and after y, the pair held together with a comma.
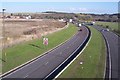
x: 45, y: 41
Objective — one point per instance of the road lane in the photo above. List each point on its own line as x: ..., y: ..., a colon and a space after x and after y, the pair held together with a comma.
x: 43, y: 66
x: 112, y: 42
x: 113, y: 47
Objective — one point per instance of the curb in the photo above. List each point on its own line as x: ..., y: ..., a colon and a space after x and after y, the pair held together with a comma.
x: 116, y: 34
x: 56, y: 71
x: 32, y: 60
x: 105, y: 56
x: 105, y: 50
x: 74, y: 58
x: 107, y: 72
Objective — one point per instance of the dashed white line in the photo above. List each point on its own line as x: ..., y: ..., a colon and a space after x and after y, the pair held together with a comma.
x: 26, y: 76
x: 73, y: 59
x: 46, y: 63
x: 114, y: 33
x: 25, y: 64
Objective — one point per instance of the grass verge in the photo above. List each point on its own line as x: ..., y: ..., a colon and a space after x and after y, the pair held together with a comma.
x: 110, y: 25
x: 113, y: 26
x: 93, y: 58
x: 21, y: 53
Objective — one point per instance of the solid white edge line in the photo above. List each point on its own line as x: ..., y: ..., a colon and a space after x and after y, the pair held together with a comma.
x: 105, y: 51
x: 105, y: 56
x: 31, y: 61
x: 114, y: 33
x: 108, y: 53
x: 74, y: 58
x: 67, y: 58
x: 109, y: 58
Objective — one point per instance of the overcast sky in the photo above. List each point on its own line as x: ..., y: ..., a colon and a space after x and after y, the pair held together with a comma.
x: 72, y: 7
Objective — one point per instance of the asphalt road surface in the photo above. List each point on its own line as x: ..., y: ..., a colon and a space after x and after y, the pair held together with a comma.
x: 43, y: 66
x: 113, y: 44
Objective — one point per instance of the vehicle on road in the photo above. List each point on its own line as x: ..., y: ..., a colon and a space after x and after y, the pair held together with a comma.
x: 80, y: 29
x: 105, y: 30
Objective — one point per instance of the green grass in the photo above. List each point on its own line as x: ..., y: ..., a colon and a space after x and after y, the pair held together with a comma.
x: 23, y: 52
x: 112, y: 25
x: 93, y: 67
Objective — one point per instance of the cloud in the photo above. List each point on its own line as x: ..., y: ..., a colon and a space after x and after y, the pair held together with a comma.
x: 50, y: 9
x: 83, y: 9
x: 72, y: 9
x: 78, y: 9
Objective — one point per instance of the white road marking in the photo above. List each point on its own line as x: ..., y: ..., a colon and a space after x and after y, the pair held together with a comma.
x: 109, y: 57
x: 26, y: 76
x: 44, y: 54
x: 46, y: 63
x: 109, y: 54
x: 114, y: 33
x: 34, y: 60
x: 105, y: 55
x: 74, y: 58
x: 25, y: 66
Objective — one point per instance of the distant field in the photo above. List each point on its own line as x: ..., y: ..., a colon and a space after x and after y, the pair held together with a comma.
x: 21, y: 30
x: 112, y: 25
x: 93, y: 58
x: 21, y: 53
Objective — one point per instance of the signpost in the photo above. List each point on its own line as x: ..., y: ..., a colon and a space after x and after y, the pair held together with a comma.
x: 45, y: 41
x: 3, y: 34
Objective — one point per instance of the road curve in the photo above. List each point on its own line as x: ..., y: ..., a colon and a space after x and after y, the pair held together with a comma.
x: 47, y: 63
x: 112, y: 44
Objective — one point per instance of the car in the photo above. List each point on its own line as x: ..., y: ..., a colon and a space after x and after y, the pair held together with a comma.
x: 80, y: 29
x: 105, y: 30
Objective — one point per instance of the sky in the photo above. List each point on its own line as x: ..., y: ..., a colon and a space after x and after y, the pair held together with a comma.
x: 70, y: 7
x: 60, y: 0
